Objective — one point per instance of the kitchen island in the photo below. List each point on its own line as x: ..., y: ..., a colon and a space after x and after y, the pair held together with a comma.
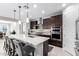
x: 40, y: 43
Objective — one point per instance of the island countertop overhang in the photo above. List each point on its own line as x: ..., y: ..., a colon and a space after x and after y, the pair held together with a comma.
x: 35, y: 40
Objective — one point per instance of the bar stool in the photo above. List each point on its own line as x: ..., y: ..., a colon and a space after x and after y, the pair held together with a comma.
x: 6, y: 44
x: 22, y: 50
x: 11, y: 47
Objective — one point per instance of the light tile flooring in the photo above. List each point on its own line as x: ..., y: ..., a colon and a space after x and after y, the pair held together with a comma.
x: 56, y: 51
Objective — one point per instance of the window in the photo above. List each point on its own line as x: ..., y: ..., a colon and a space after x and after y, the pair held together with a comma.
x: 4, y: 27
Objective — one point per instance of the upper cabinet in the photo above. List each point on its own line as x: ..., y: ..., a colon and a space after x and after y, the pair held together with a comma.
x: 33, y: 25
x: 47, y: 23
x: 52, y: 21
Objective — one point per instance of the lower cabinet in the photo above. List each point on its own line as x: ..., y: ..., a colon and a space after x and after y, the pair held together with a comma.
x: 55, y: 43
x: 45, y: 48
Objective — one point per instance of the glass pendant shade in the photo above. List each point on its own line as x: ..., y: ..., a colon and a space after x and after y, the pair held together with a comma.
x: 27, y: 20
x: 19, y: 22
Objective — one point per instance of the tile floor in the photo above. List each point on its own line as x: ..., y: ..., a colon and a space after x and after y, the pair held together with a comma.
x: 56, y: 51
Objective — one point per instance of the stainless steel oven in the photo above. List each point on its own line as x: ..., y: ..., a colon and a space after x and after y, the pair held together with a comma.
x: 56, y: 33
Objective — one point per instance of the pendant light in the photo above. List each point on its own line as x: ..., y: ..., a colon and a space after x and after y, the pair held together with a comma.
x: 19, y: 14
x: 14, y: 16
x: 14, y: 13
x: 27, y: 8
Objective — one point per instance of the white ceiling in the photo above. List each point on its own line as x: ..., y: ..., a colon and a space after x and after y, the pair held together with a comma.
x: 6, y: 9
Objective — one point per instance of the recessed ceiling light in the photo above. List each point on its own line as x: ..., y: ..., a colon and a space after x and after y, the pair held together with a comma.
x: 43, y: 11
x: 35, y: 6
x: 64, y: 4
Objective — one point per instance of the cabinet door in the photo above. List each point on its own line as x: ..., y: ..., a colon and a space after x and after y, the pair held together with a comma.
x: 33, y: 24
x: 52, y: 21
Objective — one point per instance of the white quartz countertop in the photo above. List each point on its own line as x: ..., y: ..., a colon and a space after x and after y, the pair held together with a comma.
x: 35, y: 40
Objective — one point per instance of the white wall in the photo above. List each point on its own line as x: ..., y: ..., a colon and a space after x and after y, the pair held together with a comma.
x: 70, y: 15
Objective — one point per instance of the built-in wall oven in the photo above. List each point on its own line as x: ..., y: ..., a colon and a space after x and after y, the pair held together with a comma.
x: 56, y: 33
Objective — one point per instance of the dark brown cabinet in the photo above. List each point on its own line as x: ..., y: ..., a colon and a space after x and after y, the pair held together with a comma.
x: 54, y: 20
x: 33, y: 25
x: 47, y: 24
x: 55, y: 43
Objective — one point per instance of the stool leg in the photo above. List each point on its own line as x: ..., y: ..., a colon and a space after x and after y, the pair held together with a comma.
x: 33, y: 53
